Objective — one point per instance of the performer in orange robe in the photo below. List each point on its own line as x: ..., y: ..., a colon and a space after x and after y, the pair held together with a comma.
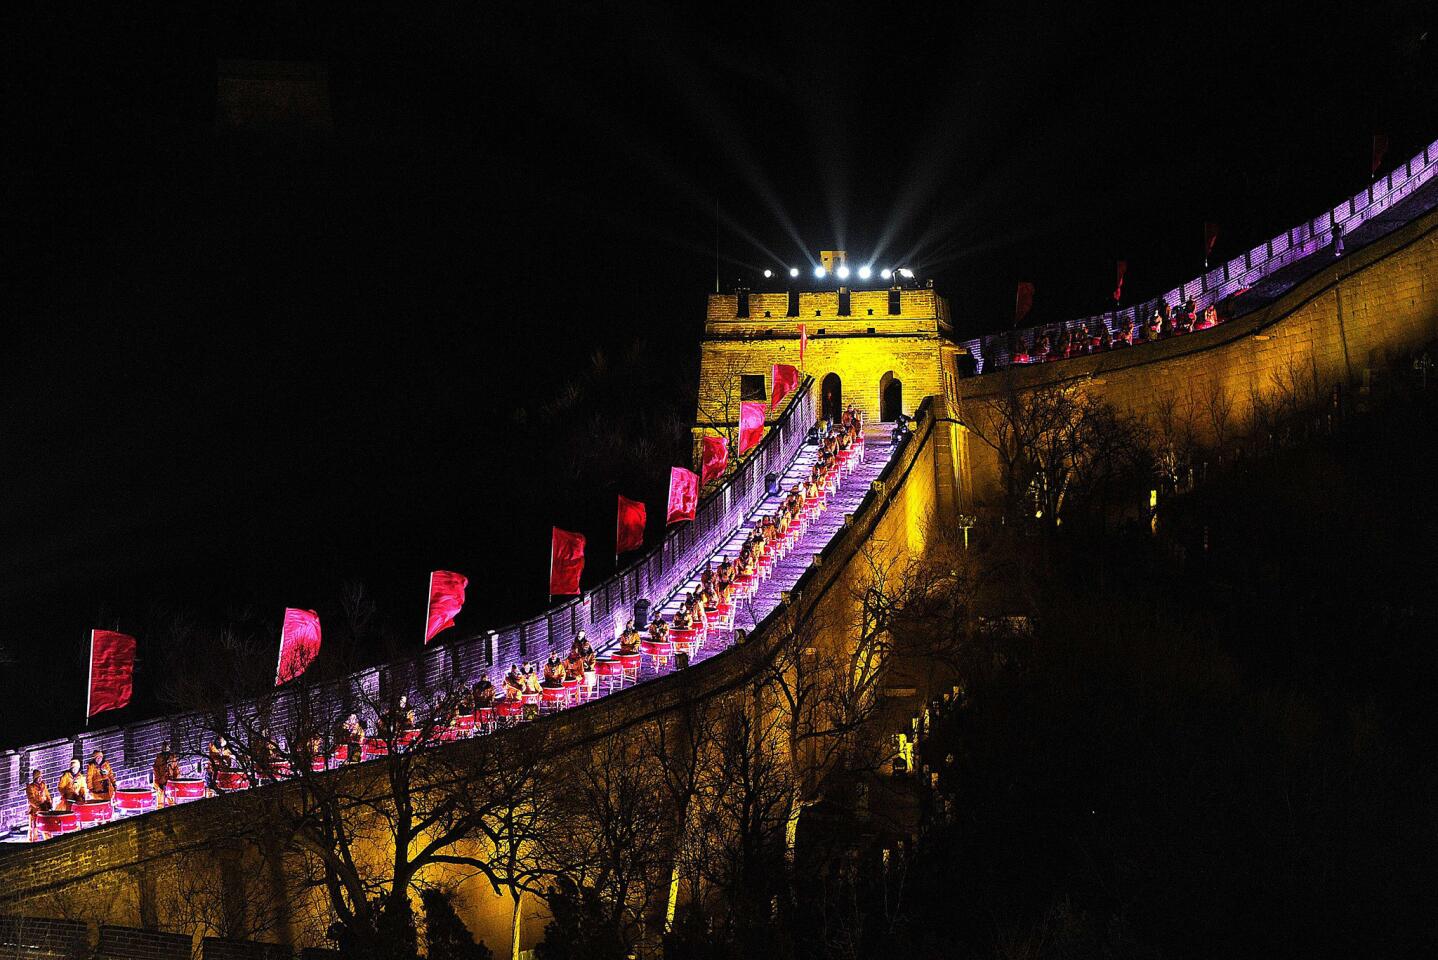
x: 72, y: 787
x: 100, y: 777
x: 37, y: 792
x: 167, y: 768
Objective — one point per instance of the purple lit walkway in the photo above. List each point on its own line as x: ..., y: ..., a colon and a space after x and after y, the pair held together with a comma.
x: 854, y: 482
x: 787, y: 570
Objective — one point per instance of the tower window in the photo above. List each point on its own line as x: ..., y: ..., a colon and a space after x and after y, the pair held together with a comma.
x: 871, y: 329
x: 767, y: 314
x: 871, y: 311
x: 743, y: 310
x: 793, y: 303
x: 751, y: 387
x: 894, y: 308
x: 843, y: 303
x: 818, y: 313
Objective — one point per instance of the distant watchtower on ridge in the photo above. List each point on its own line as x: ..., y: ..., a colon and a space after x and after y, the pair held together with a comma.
x: 878, y: 343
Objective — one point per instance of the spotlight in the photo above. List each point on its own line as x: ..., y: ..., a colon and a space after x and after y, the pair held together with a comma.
x: 885, y: 273
x: 793, y: 271
x: 906, y: 272
x: 843, y: 273
x: 768, y: 274
x: 820, y: 272
x: 864, y: 273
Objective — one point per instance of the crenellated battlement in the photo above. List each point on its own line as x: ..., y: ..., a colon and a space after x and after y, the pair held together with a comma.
x: 913, y: 304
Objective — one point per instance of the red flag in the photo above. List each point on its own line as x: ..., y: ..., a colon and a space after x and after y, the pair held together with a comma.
x: 566, y: 562
x: 446, y: 599
x: 299, y: 643
x: 1023, y: 302
x: 786, y: 378
x: 713, y: 458
x: 1210, y: 237
x: 1118, y: 290
x: 629, y: 531
x: 683, y: 494
x: 112, y: 671
x: 1380, y: 147
x: 803, y: 342
x: 751, y: 425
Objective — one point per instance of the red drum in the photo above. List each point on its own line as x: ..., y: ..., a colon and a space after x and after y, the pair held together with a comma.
x: 449, y: 735
x: 629, y: 662
x: 93, y: 811
x: 131, y: 799
x: 606, y: 667
x: 464, y: 723
x: 319, y: 764
x: 484, y: 715
x: 571, y: 682
x: 531, y: 698
x: 408, y: 737
x: 656, y: 648
x: 186, y: 788
x: 280, y: 769
x: 342, y: 753
x: 509, y: 708
x: 51, y: 823
x: 374, y: 747
x: 231, y: 780
x: 555, y: 694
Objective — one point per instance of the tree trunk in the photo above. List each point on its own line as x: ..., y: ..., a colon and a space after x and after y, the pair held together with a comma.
x: 518, y: 896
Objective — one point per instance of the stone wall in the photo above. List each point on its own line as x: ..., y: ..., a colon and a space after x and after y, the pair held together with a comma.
x: 602, y: 611
x: 1335, y: 329
x: 182, y: 870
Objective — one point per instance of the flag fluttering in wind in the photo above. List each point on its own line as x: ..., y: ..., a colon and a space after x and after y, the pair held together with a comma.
x: 446, y: 599
x: 713, y: 458
x: 629, y: 527
x: 1023, y: 302
x: 1380, y: 147
x: 299, y: 643
x: 803, y: 342
x: 1210, y: 237
x: 786, y: 378
x: 112, y: 671
x: 751, y: 425
x: 683, y: 495
x: 566, y: 562
x: 1118, y: 290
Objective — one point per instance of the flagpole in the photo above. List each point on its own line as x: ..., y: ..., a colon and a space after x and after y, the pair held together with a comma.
x: 428, y: 597
x: 90, y: 678
x: 280, y: 661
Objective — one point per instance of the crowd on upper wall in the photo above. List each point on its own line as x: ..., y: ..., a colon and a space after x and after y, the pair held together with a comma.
x: 1096, y: 336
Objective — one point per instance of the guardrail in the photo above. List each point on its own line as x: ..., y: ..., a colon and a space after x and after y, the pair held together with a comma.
x: 601, y: 611
x: 1220, y: 283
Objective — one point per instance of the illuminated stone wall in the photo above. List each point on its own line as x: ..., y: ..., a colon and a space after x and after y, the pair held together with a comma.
x: 1367, y: 310
x: 180, y: 870
x: 860, y: 348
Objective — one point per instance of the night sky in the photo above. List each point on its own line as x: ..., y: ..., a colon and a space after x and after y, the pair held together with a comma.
x: 241, y: 369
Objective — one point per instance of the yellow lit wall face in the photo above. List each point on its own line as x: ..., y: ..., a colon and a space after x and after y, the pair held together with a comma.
x: 1378, y: 303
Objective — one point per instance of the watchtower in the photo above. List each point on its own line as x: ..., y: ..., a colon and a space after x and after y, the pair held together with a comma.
x: 879, y: 343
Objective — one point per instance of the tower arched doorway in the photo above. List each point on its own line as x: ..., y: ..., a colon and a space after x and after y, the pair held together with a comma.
x: 891, y: 397
x: 831, y: 398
